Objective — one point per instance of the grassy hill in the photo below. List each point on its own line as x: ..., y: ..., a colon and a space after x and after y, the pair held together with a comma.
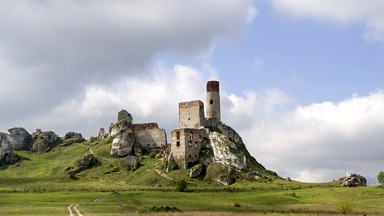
x: 38, y: 185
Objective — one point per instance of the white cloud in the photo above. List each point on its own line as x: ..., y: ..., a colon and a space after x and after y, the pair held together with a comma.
x: 252, y: 13
x: 151, y: 99
x: 368, y: 12
x: 54, y: 51
x: 322, y: 141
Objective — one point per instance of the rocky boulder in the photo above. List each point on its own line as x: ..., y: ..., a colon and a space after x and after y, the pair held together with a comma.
x: 221, y: 174
x: 86, y: 162
x: 81, y: 164
x: 131, y: 162
x: 7, y: 156
x: 72, y: 137
x: 354, y: 180
x: 102, y: 134
x: 196, y: 171
x: 44, y: 141
x: 124, y: 141
x: 19, y: 139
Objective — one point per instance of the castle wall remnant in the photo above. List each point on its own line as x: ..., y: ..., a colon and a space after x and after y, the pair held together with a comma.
x: 186, y: 145
x: 129, y: 139
x: 191, y: 114
x: 186, y: 142
x: 150, y: 136
x: 213, y: 100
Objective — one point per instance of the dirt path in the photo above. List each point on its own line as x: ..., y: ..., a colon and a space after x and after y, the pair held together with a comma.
x: 162, y: 174
x: 77, y: 211
x: 70, y: 210
x: 99, y: 199
x: 75, y: 208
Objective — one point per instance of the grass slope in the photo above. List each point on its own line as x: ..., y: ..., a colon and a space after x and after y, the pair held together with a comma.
x: 38, y: 185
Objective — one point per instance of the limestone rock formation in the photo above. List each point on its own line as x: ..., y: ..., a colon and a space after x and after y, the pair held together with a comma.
x: 102, y: 134
x: 195, y: 171
x: 44, y: 141
x: 86, y: 162
x: 7, y: 156
x: 72, y: 137
x: 226, y: 152
x: 124, y: 141
x: 19, y: 139
x: 131, y: 162
x: 354, y: 180
x: 222, y: 174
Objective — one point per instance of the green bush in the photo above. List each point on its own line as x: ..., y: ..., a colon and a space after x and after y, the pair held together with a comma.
x: 345, y: 207
x: 152, y: 155
x: 182, y: 186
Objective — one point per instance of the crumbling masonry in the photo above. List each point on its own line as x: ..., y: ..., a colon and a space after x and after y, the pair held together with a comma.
x: 187, y: 141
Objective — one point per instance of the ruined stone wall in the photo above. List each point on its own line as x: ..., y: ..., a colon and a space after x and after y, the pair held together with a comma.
x: 191, y: 114
x: 186, y: 145
x: 151, y: 139
x: 145, y: 126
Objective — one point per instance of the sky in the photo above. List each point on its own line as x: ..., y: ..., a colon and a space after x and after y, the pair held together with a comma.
x: 301, y: 81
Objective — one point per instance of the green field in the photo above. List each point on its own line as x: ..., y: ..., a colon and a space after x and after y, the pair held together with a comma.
x: 367, y: 201
x: 38, y: 185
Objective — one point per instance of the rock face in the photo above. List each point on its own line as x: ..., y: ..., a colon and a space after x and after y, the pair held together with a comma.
x: 226, y: 157
x: 7, y: 156
x: 124, y: 141
x: 19, y: 139
x: 72, y: 137
x: 354, y: 180
x: 226, y: 152
x: 44, y: 141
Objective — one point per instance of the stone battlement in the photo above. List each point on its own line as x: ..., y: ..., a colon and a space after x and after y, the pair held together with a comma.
x: 145, y: 126
x: 189, y: 104
x: 213, y: 86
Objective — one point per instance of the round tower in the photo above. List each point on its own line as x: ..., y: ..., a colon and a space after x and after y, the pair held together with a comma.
x: 213, y: 100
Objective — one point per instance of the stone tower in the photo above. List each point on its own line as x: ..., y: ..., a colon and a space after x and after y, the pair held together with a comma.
x: 213, y: 100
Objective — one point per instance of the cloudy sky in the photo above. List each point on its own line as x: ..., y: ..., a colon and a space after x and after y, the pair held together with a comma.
x: 301, y: 81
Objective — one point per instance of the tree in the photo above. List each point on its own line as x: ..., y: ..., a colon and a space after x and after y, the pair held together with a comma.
x: 380, y: 178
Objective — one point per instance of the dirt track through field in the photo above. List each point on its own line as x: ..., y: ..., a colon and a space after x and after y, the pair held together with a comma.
x: 70, y: 210
x: 158, y: 172
x: 75, y: 208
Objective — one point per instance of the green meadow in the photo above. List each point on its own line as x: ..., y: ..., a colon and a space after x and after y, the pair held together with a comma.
x: 39, y: 185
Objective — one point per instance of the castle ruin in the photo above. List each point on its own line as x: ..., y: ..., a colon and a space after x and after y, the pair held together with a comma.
x: 188, y: 139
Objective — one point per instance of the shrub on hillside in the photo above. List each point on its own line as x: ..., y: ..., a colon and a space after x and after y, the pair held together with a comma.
x: 182, y: 186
